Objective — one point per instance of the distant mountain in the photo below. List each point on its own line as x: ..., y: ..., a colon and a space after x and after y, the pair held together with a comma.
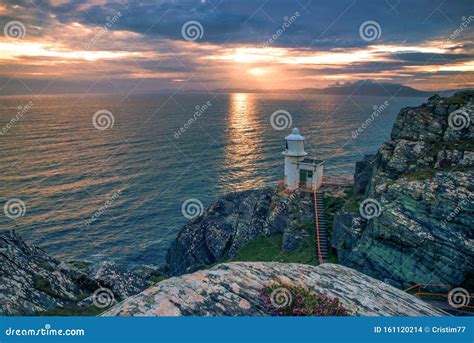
x: 361, y: 87
x: 368, y: 87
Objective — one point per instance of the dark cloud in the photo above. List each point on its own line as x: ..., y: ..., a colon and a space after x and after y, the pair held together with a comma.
x: 321, y: 24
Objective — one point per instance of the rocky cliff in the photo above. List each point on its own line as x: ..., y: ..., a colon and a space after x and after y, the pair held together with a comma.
x: 31, y: 281
x: 233, y: 289
x: 415, y: 220
x: 235, y: 220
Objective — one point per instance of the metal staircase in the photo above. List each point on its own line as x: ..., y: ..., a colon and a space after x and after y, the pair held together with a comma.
x: 321, y: 228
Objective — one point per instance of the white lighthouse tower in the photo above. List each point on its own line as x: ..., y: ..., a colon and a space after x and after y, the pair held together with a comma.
x: 300, y: 170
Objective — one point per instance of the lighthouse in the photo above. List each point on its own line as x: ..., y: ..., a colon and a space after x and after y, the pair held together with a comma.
x: 301, y: 171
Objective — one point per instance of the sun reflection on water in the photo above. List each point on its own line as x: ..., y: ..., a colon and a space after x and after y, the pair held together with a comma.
x: 243, y: 147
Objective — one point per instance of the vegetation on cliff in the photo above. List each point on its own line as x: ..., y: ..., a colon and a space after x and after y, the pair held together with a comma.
x: 419, y: 186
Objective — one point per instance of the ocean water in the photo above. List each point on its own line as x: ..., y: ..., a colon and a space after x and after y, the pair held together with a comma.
x: 137, y: 173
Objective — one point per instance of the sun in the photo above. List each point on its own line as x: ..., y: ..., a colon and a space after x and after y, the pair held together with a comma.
x: 257, y: 71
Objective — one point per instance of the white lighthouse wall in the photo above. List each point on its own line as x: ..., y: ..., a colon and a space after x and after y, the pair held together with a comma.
x: 318, y: 177
x: 295, y: 148
x: 291, y: 172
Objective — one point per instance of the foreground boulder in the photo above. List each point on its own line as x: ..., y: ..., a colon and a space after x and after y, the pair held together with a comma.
x: 416, y: 226
x: 232, y: 289
x: 31, y: 281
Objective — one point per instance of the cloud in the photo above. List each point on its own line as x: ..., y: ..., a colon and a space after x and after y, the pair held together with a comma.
x: 258, y: 43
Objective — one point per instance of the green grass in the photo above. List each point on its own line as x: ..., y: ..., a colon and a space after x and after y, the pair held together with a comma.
x: 331, y: 206
x: 81, y: 265
x: 423, y: 174
x: 268, y: 249
x: 44, y: 285
x: 73, y: 311
x: 458, y: 100
x: 157, y: 278
x: 352, y: 204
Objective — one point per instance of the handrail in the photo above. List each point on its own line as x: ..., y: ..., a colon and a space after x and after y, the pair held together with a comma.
x: 316, y: 219
x: 426, y: 284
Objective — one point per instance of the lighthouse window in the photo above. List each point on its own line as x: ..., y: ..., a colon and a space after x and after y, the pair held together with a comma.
x: 310, y: 174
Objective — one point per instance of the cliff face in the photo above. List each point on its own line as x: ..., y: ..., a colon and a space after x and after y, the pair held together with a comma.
x: 232, y: 289
x: 236, y: 219
x: 417, y: 225
x: 31, y: 281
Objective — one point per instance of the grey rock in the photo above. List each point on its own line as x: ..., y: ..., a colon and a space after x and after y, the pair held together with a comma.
x: 231, y: 289
x: 363, y: 171
x: 121, y: 282
x: 423, y: 181
x: 31, y: 281
x: 234, y: 220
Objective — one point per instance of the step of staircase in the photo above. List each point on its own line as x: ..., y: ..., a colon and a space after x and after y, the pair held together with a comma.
x: 323, y: 228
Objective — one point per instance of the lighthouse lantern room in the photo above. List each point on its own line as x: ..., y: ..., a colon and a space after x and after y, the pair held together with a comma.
x: 301, y: 171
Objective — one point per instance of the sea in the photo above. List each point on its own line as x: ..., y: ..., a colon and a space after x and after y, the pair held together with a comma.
x: 111, y: 177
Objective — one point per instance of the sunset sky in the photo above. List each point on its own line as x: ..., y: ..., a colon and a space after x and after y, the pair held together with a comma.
x: 57, y: 46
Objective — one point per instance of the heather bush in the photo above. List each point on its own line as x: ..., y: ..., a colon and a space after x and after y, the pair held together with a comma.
x: 285, y: 300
